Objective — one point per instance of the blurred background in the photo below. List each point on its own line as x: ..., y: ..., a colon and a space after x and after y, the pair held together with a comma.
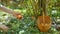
x: 30, y: 10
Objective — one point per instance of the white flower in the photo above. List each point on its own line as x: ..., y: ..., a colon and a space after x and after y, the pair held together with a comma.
x: 58, y: 20
x: 21, y: 32
x: 54, y: 11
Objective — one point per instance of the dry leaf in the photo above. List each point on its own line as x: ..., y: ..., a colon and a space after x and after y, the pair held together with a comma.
x: 44, y: 24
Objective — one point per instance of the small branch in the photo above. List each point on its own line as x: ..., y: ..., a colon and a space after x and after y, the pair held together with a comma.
x: 4, y: 27
x: 16, y: 14
x: 3, y: 8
